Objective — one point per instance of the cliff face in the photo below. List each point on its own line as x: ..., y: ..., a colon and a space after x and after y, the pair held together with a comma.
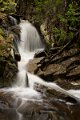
x: 8, y: 65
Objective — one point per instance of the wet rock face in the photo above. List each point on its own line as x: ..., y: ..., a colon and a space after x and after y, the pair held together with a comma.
x: 8, y: 70
x: 9, y: 74
x: 9, y: 114
x: 53, y: 106
x: 8, y: 65
x: 65, y: 66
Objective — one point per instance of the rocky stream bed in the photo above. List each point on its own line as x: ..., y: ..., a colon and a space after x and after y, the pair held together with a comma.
x: 54, y: 105
x: 58, y: 65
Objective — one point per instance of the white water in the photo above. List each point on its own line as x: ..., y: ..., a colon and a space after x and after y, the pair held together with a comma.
x: 30, y: 39
x: 12, y: 20
x: 29, y: 45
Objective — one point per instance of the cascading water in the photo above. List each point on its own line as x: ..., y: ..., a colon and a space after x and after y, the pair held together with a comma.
x: 12, y: 20
x: 30, y: 43
x: 30, y: 39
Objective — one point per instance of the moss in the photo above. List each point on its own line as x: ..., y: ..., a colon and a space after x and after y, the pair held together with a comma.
x: 6, y: 45
x: 2, y: 34
x: 7, y: 6
x: 2, y: 15
x: 1, y: 37
x: 8, y: 66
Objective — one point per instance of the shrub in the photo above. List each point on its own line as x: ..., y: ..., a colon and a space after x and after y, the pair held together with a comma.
x: 7, y: 6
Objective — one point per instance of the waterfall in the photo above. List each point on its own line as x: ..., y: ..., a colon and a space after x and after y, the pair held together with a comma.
x: 12, y: 20
x: 30, y: 39
x: 30, y: 43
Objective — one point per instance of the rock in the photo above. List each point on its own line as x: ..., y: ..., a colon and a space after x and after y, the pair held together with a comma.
x: 54, y: 95
x: 32, y: 65
x: 17, y: 17
x: 53, y: 105
x: 68, y: 84
x: 52, y: 71
x: 9, y: 74
x: 17, y: 56
x: 8, y: 66
x: 8, y: 70
x: 7, y: 107
x: 37, y: 111
x: 9, y: 114
x: 74, y: 73
x: 1, y: 21
x: 64, y: 66
x: 70, y: 62
x: 48, y: 37
x: 40, y: 54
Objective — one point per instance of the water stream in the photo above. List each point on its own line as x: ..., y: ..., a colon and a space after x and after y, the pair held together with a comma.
x: 23, y: 88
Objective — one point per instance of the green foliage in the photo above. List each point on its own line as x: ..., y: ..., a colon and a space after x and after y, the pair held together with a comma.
x: 6, y: 45
x: 72, y: 19
x: 59, y: 35
x: 2, y: 35
x: 42, y: 8
x: 7, y: 6
x: 2, y: 32
x: 46, y: 8
x: 69, y: 23
x: 70, y: 36
x: 63, y: 18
